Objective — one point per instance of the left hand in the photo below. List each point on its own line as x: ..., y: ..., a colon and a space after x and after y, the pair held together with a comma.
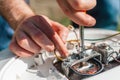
x: 36, y: 33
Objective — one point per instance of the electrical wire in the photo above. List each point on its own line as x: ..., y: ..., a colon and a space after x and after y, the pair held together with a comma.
x: 58, y: 57
x: 70, y: 27
x: 73, y: 40
x: 111, y: 56
x: 115, y: 59
x: 103, y: 38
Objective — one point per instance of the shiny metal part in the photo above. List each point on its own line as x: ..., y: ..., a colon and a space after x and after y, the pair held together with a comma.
x: 106, y: 51
x: 85, y: 66
x: 75, y: 59
x: 82, y: 46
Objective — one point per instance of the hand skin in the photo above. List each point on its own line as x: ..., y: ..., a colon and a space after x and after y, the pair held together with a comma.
x: 37, y: 33
x: 32, y: 32
x: 74, y: 9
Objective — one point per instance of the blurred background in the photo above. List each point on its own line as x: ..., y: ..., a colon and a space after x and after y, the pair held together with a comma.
x: 51, y: 9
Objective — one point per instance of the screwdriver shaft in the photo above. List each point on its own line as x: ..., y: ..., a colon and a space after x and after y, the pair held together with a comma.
x: 81, y: 34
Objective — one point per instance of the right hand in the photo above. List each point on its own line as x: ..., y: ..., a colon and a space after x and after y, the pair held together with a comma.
x: 74, y: 9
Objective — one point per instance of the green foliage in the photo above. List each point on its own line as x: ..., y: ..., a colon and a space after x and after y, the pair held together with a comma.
x: 118, y: 27
x: 65, y: 21
x: 119, y: 24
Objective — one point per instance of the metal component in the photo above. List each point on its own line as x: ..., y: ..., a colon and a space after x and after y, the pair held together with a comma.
x: 74, y: 59
x: 78, y: 61
x: 82, y: 47
x: 85, y: 66
x: 106, y: 51
x: 83, y: 61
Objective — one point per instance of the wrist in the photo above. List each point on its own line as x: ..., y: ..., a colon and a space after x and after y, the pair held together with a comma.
x: 22, y: 16
x: 15, y: 11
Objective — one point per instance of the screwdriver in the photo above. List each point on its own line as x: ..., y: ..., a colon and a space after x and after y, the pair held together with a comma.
x: 82, y: 46
x: 81, y: 35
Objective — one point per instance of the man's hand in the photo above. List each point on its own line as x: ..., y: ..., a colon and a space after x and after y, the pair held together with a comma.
x: 74, y: 9
x: 37, y: 33
x: 32, y: 32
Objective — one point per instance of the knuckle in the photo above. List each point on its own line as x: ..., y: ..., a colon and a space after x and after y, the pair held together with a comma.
x: 22, y: 41
x: 77, y: 4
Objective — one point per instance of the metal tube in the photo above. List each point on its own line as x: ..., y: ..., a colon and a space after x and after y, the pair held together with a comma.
x: 81, y: 34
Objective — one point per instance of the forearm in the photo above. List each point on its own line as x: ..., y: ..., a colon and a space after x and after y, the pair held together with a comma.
x: 14, y: 11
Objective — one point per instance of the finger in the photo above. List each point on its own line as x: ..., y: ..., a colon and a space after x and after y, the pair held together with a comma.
x: 82, y: 4
x: 47, y: 29
x: 61, y: 30
x: 78, y: 17
x: 25, y: 42
x: 60, y: 45
x: 38, y: 36
x: 83, y: 19
x: 16, y: 49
